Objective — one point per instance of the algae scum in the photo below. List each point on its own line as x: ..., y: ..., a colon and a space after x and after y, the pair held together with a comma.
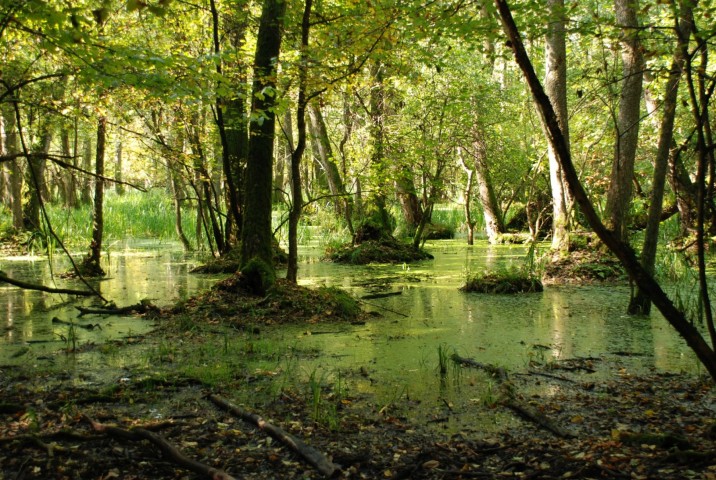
x: 398, y: 360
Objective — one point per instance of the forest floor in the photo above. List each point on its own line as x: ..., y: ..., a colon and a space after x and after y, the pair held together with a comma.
x: 56, y: 423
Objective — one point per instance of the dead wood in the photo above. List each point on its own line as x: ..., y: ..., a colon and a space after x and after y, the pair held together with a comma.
x: 89, y: 326
x: 310, y: 454
x: 380, y: 295
x: 538, y: 418
x: 510, y: 401
x: 549, y: 375
x: 43, y: 288
x: 142, y: 307
x: 168, y: 450
x: 498, y: 372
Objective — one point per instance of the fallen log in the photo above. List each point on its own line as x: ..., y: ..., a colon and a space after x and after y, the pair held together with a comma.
x: 537, y: 417
x: 380, y: 295
x: 145, y: 306
x: 310, y: 454
x: 498, y: 372
x: 90, y: 326
x: 43, y: 288
x: 167, y: 449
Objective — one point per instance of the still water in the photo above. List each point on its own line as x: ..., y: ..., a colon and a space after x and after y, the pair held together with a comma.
x: 396, y: 353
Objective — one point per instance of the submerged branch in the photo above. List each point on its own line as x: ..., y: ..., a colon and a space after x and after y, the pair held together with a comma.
x: 42, y: 288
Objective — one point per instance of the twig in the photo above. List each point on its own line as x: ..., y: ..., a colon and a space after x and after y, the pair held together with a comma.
x: 309, y: 453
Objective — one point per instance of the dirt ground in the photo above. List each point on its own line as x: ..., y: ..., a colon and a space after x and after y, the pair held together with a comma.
x: 656, y: 426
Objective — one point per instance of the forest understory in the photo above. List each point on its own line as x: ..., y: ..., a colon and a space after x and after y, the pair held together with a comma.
x: 599, y: 421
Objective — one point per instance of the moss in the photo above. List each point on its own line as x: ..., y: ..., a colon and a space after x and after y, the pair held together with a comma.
x: 258, y: 276
x: 344, y: 305
x: 508, y: 281
x: 373, y: 251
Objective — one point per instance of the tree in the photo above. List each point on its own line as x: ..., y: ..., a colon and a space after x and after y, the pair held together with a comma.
x: 640, y: 302
x: 556, y: 89
x: 256, y: 235
x: 627, y: 126
x: 646, y: 282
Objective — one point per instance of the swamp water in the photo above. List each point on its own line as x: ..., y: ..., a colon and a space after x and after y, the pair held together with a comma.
x: 393, y: 359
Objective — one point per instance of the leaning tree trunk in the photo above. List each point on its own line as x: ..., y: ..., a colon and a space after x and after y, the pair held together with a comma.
x: 619, y: 194
x: 640, y: 302
x: 555, y: 85
x: 626, y: 255
x: 256, y: 234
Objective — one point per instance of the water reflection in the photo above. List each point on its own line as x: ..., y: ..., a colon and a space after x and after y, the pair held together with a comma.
x: 135, y: 271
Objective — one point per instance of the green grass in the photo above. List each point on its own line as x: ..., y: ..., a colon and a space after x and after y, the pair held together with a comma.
x: 132, y: 215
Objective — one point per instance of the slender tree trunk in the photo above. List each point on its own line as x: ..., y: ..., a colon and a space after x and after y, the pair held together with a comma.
x: 626, y: 255
x: 700, y: 100
x: 233, y: 132
x: 256, y: 235
x: 205, y: 192
x: 326, y: 159
x: 619, y: 195
x: 13, y: 166
x: 555, y: 85
x: 467, y: 193
x: 118, y: 187
x: 93, y: 261
x: 640, y: 302
x: 86, y: 188
x: 178, y: 197
x: 296, y: 156
x: 70, y: 180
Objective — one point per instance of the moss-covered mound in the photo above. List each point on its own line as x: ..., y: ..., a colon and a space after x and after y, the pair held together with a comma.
x: 377, y: 251
x: 502, y: 282
x: 230, y: 301
x: 584, y: 266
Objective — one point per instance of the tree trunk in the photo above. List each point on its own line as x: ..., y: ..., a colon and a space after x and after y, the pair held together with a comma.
x: 93, y: 260
x: 294, y: 214
x: 494, y: 225
x: 69, y: 193
x: 640, y: 302
x: 377, y: 134
x: 408, y: 198
x: 86, y: 187
x: 327, y: 161
x: 232, y: 124
x: 118, y: 187
x: 256, y: 235
x: 13, y: 166
x: 626, y: 255
x: 619, y: 195
x: 36, y: 181
x: 555, y: 85
x: 467, y: 193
